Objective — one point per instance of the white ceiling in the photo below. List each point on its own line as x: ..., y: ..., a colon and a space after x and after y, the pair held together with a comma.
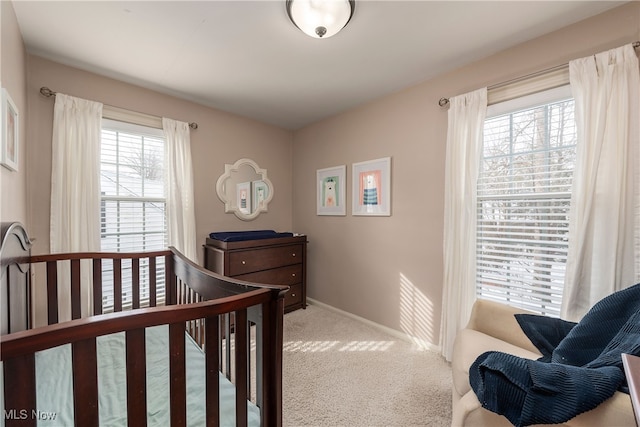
x: 246, y: 57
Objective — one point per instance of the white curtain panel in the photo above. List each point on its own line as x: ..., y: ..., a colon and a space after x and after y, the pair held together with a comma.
x: 181, y: 217
x: 464, y: 152
x: 603, y: 230
x: 75, y: 184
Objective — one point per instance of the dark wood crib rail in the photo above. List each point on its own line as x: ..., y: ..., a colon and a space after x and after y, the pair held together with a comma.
x: 195, y: 299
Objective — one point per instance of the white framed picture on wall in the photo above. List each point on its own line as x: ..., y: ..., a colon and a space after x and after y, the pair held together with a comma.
x: 10, y: 138
x: 371, y: 193
x: 331, y: 188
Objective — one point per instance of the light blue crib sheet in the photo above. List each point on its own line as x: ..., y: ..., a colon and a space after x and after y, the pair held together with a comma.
x: 54, y: 384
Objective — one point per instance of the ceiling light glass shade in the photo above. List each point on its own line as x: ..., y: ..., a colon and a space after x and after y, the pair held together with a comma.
x: 320, y: 18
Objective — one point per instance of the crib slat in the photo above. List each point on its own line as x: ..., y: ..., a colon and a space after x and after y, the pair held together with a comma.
x: 76, y: 312
x: 152, y: 281
x: 271, y: 371
x: 202, y: 333
x: 135, y: 282
x: 227, y: 348
x: 136, y: 378
x: 169, y: 281
x: 240, y: 327
x: 117, y: 285
x: 212, y: 361
x: 52, y: 292
x: 19, y: 391
x: 178, y: 292
x: 97, y: 286
x: 177, y: 385
x: 85, y: 382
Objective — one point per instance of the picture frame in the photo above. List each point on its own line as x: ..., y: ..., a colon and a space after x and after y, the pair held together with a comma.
x: 243, y: 197
x: 372, y: 187
x: 10, y: 133
x: 331, y: 191
x: 260, y: 193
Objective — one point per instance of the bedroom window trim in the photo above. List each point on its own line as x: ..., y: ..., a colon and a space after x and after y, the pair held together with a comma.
x: 504, y: 239
x: 132, y: 117
x: 522, y: 87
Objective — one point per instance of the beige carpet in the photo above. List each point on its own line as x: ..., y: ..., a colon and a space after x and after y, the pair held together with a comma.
x: 339, y: 371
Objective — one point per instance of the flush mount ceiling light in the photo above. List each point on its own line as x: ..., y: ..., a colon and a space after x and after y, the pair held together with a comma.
x: 320, y: 18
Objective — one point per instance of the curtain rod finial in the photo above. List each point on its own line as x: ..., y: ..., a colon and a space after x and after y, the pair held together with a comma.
x: 443, y: 102
x: 47, y: 92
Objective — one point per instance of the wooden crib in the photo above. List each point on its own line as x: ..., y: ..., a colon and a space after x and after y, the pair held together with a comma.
x: 235, y: 328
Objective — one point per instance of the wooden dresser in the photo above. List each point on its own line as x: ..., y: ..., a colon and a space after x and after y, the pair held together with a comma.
x: 279, y: 261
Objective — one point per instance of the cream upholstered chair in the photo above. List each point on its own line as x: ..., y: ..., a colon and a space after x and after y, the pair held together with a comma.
x: 493, y: 327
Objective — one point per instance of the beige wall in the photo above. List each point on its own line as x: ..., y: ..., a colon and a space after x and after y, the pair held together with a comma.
x: 220, y: 138
x: 13, y: 195
x: 389, y: 269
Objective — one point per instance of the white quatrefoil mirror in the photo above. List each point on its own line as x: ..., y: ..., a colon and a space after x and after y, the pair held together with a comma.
x: 244, y: 189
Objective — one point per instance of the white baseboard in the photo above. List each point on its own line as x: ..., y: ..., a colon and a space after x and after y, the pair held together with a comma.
x: 422, y: 344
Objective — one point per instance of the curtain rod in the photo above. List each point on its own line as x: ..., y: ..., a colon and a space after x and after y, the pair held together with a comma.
x: 45, y: 91
x: 445, y: 101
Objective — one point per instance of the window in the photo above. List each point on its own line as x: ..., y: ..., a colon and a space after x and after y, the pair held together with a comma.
x: 132, y: 200
x: 523, y: 195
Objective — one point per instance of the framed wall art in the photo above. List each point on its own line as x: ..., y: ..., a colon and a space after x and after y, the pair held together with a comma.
x: 372, y: 187
x: 10, y: 138
x: 331, y: 189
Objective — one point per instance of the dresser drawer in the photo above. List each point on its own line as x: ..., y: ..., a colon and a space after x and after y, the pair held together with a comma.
x: 243, y: 262
x: 294, y: 296
x: 288, y: 275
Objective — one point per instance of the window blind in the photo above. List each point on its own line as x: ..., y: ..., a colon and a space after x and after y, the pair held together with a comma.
x: 132, y: 201
x: 523, y: 201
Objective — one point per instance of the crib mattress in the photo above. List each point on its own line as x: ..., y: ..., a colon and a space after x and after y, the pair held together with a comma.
x: 54, y: 383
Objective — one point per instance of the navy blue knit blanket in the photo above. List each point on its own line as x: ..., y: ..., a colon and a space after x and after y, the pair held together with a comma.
x: 582, y: 371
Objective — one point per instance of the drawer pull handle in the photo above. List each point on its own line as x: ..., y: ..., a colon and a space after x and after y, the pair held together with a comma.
x: 293, y: 254
x: 293, y: 274
x: 244, y: 262
x: 293, y: 295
